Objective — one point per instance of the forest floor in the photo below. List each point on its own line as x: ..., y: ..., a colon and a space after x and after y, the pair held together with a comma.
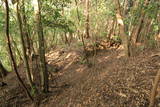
x: 110, y: 80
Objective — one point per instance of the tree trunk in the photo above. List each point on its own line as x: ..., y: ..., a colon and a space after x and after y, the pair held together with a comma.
x: 137, y: 30
x: 111, y: 30
x: 78, y: 17
x: 65, y: 33
x: 43, y: 68
x: 27, y: 38
x: 26, y: 64
x: 87, y: 34
x: 10, y: 50
x: 124, y: 36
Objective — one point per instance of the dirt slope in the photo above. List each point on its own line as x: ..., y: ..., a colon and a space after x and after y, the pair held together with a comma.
x: 111, y: 81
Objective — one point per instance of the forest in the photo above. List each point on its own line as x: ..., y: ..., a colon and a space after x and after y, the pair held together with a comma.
x: 79, y: 53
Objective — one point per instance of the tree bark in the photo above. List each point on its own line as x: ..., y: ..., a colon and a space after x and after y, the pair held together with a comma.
x: 27, y: 38
x: 10, y: 51
x: 26, y: 63
x: 43, y: 68
x: 87, y: 34
x: 124, y: 36
x: 137, y: 30
x: 111, y: 30
x: 78, y: 17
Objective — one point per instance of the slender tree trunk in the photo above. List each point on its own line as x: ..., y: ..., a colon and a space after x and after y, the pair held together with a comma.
x: 66, y: 38
x: 65, y: 33
x: 28, y: 44
x: 138, y: 29
x: 43, y: 68
x: 146, y: 29
x: 10, y: 51
x: 27, y: 38
x: 84, y: 48
x: 78, y: 17
x: 127, y: 7
x: 115, y: 28
x: 87, y: 34
x: 81, y: 36
x: 124, y: 36
x: 112, y: 29
x: 26, y: 64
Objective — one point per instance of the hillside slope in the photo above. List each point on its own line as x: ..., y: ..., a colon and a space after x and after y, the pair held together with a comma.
x: 111, y: 81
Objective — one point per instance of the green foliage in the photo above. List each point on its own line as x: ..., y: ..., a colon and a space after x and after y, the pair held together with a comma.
x: 3, y: 53
x: 152, y: 9
x: 80, y: 44
x: 152, y: 43
x: 1, y: 19
x: 33, y: 91
x: 64, y: 16
x: 52, y: 16
x: 117, y: 38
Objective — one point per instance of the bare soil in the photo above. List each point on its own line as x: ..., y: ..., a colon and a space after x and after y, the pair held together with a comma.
x: 109, y: 80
